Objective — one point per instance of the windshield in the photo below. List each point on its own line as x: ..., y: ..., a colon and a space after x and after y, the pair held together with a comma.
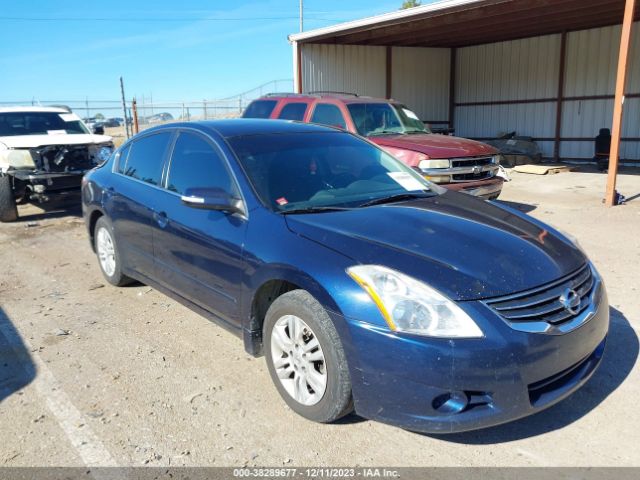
x: 373, y: 119
x: 314, y: 170
x: 40, y: 123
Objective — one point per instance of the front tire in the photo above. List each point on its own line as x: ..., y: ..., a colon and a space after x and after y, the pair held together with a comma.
x: 306, y: 359
x: 8, y: 209
x: 107, y: 252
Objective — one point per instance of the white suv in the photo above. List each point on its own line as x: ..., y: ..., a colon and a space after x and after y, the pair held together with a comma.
x: 44, y: 152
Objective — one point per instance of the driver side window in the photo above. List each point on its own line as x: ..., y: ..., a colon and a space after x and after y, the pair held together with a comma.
x: 196, y: 163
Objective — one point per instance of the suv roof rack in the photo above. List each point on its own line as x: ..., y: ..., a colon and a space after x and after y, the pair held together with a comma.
x: 284, y: 94
x: 332, y: 92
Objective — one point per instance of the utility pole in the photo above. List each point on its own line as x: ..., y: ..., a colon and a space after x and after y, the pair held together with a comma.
x: 301, y: 16
x: 124, y: 109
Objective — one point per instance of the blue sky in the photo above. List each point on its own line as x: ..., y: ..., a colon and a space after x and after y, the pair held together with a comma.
x: 173, y: 50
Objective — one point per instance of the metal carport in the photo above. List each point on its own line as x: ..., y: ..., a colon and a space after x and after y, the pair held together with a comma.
x: 545, y: 68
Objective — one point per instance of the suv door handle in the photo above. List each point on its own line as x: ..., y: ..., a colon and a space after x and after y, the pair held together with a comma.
x: 161, y: 219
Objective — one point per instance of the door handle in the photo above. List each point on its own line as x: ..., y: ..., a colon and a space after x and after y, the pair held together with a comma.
x: 161, y: 219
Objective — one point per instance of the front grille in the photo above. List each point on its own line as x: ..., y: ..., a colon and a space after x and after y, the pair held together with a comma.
x: 64, y: 158
x: 471, y: 162
x: 464, y: 177
x: 472, y: 169
x: 545, y: 304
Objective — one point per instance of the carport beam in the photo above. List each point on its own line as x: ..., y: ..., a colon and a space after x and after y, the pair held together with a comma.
x: 297, y: 67
x: 453, y: 59
x: 559, y: 105
x: 623, y: 60
x: 389, y: 74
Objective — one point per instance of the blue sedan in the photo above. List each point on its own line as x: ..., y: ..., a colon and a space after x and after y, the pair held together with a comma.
x: 366, y: 287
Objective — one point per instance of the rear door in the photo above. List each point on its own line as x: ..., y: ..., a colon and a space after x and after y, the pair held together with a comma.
x: 199, y: 252
x: 134, y: 196
x: 293, y: 111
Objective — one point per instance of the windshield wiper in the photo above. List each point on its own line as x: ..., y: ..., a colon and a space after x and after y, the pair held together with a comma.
x: 397, y: 198
x: 313, y: 210
x: 409, y: 132
x: 385, y: 132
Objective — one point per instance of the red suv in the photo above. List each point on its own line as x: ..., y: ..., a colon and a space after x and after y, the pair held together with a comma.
x: 456, y: 163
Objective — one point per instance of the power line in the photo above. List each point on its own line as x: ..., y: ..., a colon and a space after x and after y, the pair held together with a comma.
x: 131, y: 19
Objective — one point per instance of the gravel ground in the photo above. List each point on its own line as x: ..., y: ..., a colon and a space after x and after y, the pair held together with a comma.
x: 96, y: 375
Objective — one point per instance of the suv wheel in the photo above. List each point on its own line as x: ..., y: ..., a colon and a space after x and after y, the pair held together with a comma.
x: 107, y: 252
x: 306, y: 359
x: 8, y: 209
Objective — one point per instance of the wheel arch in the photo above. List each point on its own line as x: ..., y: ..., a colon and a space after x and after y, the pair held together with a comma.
x: 93, y: 218
x: 270, y: 284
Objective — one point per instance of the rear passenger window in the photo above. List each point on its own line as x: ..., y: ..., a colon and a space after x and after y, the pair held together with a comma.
x: 196, y: 163
x: 121, y: 161
x: 293, y: 111
x: 146, y: 157
x: 328, y: 114
x: 260, y: 109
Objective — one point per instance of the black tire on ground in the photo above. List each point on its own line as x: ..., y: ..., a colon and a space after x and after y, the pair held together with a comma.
x: 117, y: 278
x: 8, y: 209
x: 337, y: 399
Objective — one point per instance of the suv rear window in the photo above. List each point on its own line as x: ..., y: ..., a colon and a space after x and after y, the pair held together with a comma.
x: 259, y: 109
x: 327, y: 114
x: 293, y: 111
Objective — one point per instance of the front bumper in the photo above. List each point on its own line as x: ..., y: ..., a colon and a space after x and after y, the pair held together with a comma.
x: 402, y: 379
x: 43, y: 186
x: 487, y: 189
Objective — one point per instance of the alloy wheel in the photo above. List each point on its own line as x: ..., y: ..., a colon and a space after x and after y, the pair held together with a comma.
x: 298, y: 360
x: 106, y: 251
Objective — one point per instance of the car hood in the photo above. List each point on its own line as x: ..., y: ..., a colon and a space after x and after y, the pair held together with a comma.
x: 464, y: 247
x: 436, y: 146
x: 32, y: 141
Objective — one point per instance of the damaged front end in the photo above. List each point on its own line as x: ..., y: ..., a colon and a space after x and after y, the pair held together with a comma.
x: 52, y: 170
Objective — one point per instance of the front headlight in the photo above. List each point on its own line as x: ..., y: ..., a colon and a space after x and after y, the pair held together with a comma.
x: 103, y: 152
x: 429, y: 164
x: 411, y: 306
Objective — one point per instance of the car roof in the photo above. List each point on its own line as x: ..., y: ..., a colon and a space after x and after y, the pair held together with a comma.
x: 343, y: 97
x: 252, y: 126
x: 33, y: 109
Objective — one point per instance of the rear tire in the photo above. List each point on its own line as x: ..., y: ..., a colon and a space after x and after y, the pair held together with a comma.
x: 108, y: 255
x: 308, y: 366
x: 8, y: 209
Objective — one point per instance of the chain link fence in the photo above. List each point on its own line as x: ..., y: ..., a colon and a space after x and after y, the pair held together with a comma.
x: 111, y: 115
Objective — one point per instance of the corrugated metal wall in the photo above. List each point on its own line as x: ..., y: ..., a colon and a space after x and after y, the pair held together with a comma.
x: 516, y: 70
x: 513, y: 71
x: 344, y: 68
x: 420, y: 80
x: 528, y: 69
x: 591, y: 64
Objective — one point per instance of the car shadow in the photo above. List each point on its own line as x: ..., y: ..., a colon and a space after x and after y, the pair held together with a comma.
x: 523, y: 207
x: 17, y: 369
x: 620, y: 356
x: 68, y: 207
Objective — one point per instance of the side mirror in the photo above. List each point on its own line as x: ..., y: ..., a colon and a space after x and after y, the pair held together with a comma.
x: 212, y: 199
x: 98, y: 129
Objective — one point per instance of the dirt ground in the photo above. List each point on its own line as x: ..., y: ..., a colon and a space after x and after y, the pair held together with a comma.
x: 96, y: 375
